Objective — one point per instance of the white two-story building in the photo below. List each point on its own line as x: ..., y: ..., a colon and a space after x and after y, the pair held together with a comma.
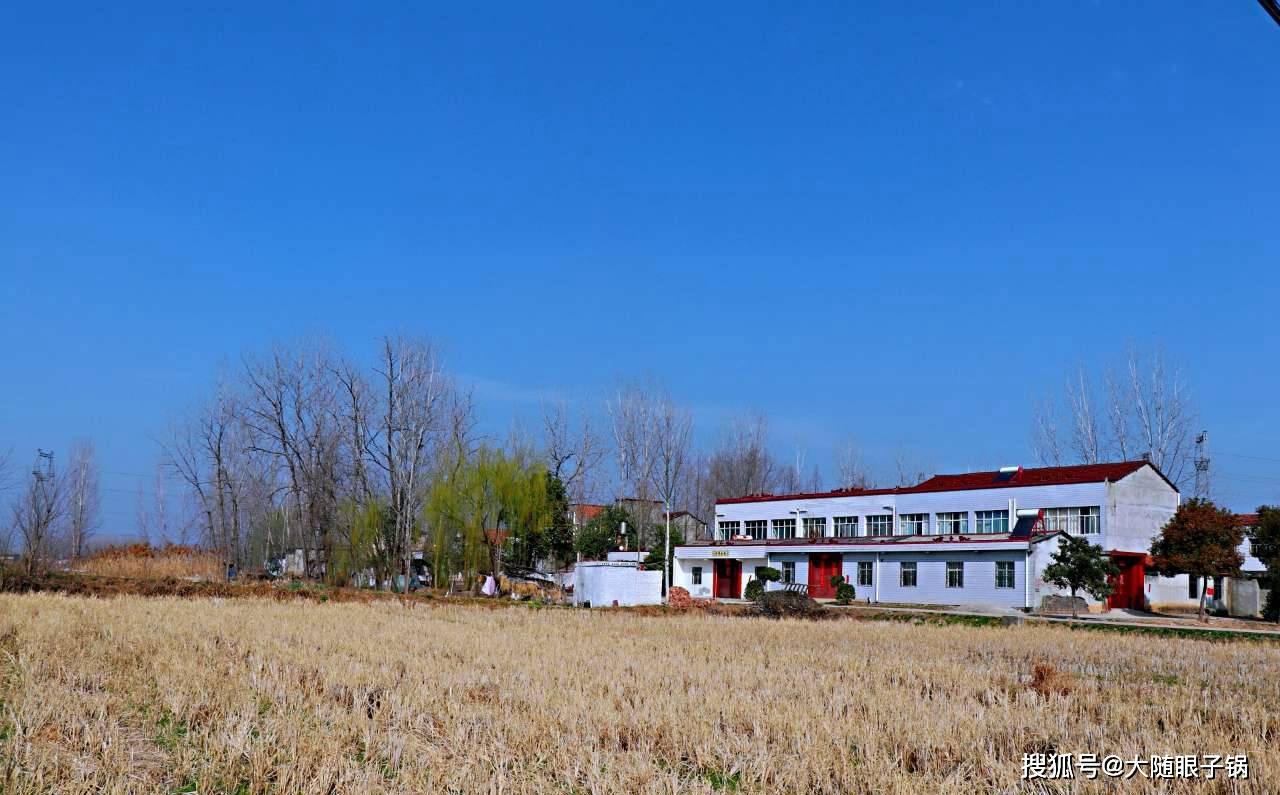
x: 979, y: 538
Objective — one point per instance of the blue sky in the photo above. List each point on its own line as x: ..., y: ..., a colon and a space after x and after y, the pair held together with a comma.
x: 897, y: 225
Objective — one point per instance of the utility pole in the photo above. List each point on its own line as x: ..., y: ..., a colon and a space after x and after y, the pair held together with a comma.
x: 666, y: 559
x: 77, y: 535
x: 1202, y: 465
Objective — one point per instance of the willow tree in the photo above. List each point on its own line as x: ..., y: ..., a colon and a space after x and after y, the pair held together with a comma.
x: 488, y: 498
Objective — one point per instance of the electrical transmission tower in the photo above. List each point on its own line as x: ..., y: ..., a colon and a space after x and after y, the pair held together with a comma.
x: 1202, y: 465
x: 42, y: 469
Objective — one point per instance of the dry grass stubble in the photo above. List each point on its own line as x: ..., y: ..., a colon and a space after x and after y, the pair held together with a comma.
x: 160, y: 695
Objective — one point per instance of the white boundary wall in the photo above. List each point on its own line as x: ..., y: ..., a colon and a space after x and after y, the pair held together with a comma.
x: 602, y: 583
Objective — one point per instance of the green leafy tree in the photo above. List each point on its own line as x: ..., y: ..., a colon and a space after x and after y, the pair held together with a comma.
x: 653, y: 561
x: 600, y: 535
x: 1265, y: 538
x: 1201, y: 540
x: 488, y: 502
x: 1080, y: 566
x: 559, y: 534
x: 363, y: 540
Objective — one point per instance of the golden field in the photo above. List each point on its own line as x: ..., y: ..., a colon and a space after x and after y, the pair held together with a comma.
x: 141, y: 561
x: 141, y: 695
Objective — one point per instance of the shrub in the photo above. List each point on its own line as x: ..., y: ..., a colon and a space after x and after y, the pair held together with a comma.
x: 754, y: 590
x: 768, y: 574
x: 845, y: 592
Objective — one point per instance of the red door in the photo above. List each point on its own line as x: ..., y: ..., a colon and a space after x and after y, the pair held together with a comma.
x: 822, y: 567
x: 1130, y: 584
x: 727, y: 579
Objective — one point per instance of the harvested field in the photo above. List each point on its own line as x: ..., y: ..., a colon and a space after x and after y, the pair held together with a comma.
x: 163, y: 694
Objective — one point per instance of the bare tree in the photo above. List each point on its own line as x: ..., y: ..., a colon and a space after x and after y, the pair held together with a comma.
x: 83, y: 498
x: 851, y: 470
x: 38, y: 511
x: 572, y: 450
x: 412, y: 391
x: 741, y: 463
x: 910, y: 468
x: 1086, y: 438
x: 289, y: 412
x: 207, y: 452
x: 1148, y: 412
x: 671, y: 429
x: 1162, y: 413
x: 631, y: 412
x: 1046, y: 441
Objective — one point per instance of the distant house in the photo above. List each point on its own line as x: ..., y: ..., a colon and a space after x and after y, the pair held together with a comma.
x: 691, y: 527
x: 978, y: 538
x: 582, y: 512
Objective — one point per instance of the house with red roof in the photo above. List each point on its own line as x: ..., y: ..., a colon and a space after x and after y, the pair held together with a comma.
x: 975, y: 538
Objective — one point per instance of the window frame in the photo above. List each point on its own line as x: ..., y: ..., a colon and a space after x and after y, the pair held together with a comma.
x: 877, y: 522
x: 775, y: 530
x: 902, y: 574
x: 695, y: 575
x: 761, y: 525
x: 980, y: 518
x: 842, y: 523
x: 726, y: 525
x: 810, y: 522
x: 919, y: 519
x: 1006, y: 566
x: 789, y: 571
x: 956, y: 523
x: 955, y: 567
x: 1083, y: 520
x: 867, y: 567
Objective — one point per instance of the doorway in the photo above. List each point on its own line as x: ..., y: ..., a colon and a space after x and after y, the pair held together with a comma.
x: 727, y: 579
x: 1130, y: 583
x: 822, y: 567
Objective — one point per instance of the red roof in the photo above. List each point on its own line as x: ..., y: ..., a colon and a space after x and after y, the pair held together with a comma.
x: 1247, y: 519
x: 1039, y: 476
x: 586, y: 511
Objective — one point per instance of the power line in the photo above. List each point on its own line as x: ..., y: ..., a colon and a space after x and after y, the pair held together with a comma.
x: 1253, y: 457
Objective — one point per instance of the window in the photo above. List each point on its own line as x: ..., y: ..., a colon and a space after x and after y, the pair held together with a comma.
x: 758, y: 528
x: 815, y: 527
x: 1004, y: 573
x: 913, y: 524
x: 846, y: 526
x: 991, y: 521
x: 728, y: 530
x: 955, y: 574
x: 1075, y: 521
x: 784, y: 528
x: 950, y: 524
x: 788, y: 571
x: 1193, y: 587
x: 864, y: 572
x: 879, y: 525
x: 907, y: 574
x: 697, y: 575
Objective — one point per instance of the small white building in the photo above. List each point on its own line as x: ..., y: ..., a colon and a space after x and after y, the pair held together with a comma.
x: 979, y: 538
x: 608, y: 583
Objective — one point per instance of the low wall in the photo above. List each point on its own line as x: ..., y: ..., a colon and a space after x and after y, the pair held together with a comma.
x: 602, y: 584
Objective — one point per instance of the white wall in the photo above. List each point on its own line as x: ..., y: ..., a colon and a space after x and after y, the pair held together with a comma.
x: 686, y: 558
x: 602, y: 584
x: 1137, y: 508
